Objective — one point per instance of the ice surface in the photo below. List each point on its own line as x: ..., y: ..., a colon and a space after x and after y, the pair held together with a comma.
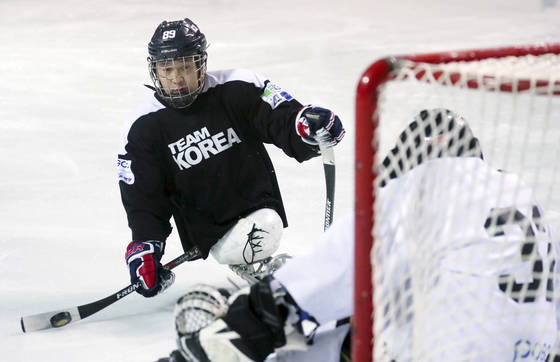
x: 71, y: 73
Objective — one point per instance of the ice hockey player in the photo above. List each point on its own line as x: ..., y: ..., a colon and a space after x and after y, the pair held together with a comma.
x: 271, y: 320
x: 195, y: 151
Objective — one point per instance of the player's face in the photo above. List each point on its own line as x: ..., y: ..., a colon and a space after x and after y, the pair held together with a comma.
x: 178, y: 76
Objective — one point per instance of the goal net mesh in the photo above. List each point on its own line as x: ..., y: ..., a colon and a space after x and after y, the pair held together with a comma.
x: 464, y: 249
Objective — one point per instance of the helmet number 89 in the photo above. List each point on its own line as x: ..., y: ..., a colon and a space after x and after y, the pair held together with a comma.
x: 168, y: 34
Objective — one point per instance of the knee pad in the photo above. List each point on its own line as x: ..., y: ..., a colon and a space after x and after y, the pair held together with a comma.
x: 252, y: 238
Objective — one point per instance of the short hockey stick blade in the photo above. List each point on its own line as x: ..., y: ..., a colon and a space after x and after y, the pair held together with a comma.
x: 63, y: 317
x: 328, y: 165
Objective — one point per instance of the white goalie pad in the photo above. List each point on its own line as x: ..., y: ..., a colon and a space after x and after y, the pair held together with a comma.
x: 254, y: 237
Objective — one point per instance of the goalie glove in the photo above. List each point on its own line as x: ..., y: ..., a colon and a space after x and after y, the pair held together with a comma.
x: 316, y: 125
x: 146, y: 272
x: 257, y: 323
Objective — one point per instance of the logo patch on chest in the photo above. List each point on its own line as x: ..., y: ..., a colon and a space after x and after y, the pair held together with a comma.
x: 200, y: 145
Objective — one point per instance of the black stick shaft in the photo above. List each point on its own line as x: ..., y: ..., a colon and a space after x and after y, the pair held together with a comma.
x: 61, y: 318
x: 88, y: 309
x: 330, y: 176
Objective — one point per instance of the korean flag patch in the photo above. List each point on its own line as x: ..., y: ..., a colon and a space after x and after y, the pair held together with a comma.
x: 274, y: 95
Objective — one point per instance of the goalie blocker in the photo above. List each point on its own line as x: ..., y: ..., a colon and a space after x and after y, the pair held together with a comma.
x: 251, y: 325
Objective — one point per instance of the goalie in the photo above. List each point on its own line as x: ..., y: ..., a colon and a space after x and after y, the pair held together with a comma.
x: 502, y: 263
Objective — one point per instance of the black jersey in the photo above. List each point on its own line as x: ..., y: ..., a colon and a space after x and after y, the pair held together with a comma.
x: 206, y: 165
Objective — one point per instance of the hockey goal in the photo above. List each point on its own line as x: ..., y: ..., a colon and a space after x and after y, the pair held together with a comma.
x: 510, y: 98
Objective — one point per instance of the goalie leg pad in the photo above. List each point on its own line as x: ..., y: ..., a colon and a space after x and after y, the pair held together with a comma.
x: 220, y: 343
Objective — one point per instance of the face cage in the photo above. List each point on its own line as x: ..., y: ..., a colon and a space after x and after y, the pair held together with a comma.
x: 184, y: 98
x: 200, y: 306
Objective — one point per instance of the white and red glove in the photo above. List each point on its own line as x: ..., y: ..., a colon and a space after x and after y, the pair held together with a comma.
x: 146, y: 272
x: 319, y: 125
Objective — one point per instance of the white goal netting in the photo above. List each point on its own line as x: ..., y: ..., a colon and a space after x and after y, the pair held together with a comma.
x: 464, y: 256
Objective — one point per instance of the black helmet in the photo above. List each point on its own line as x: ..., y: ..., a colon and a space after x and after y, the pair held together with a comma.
x: 176, y: 43
x: 173, y: 39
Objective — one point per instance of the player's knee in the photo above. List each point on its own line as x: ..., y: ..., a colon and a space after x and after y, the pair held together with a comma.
x: 253, y: 238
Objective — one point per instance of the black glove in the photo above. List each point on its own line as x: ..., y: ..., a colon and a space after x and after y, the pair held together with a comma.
x: 146, y: 272
x: 319, y: 125
x: 254, y: 326
x: 258, y: 320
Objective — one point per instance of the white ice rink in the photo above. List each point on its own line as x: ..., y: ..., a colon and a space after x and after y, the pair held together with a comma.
x: 71, y: 71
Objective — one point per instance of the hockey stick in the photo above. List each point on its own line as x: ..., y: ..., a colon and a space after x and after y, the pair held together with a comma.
x: 63, y: 317
x: 328, y: 165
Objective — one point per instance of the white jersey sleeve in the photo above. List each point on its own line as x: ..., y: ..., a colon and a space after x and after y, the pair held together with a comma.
x: 322, y: 280
x: 467, y: 261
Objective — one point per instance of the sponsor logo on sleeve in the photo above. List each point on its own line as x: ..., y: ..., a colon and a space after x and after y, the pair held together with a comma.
x: 124, y: 171
x: 274, y: 95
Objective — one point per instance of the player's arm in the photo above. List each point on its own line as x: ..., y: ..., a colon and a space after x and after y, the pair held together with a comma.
x: 142, y: 187
x: 277, y: 118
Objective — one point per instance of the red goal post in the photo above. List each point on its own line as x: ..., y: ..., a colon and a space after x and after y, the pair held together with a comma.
x: 367, y: 121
